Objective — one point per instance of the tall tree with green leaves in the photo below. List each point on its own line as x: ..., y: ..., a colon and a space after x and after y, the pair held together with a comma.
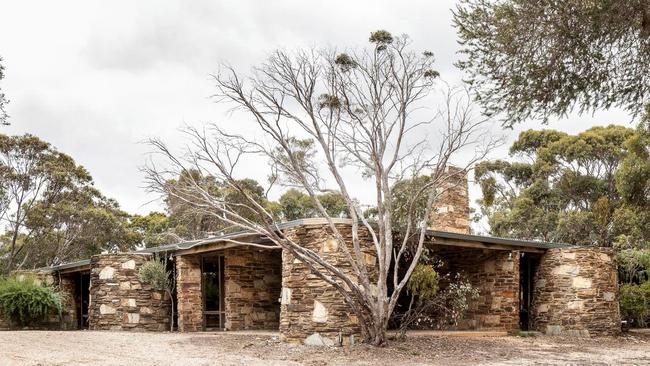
x: 152, y: 229
x: 81, y: 223
x: 295, y: 205
x: 49, y: 210
x: 538, y: 58
x: 188, y: 221
x: 588, y: 189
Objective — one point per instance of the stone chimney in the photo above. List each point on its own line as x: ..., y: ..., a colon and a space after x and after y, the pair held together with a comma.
x: 451, y: 209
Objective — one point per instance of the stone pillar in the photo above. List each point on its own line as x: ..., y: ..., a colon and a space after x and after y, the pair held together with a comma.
x: 576, y: 292
x: 119, y: 301
x: 451, y: 208
x: 67, y: 285
x: 188, y: 293
x: 253, y: 282
x: 313, y: 311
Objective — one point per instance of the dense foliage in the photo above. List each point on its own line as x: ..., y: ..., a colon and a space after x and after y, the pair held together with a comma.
x: 49, y: 209
x: 592, y: 188
x: 154, y: 272
x: 635, y: 303
x: 26, y: 301
x: 295, y: 204
x: 534, y: 59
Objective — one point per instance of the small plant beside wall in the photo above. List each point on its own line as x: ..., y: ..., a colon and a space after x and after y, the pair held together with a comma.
x: 154, y: 273
x: 25, y: 301
x: 431, y: 307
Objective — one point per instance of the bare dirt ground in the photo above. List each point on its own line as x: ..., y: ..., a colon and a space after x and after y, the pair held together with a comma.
x: 134, y: 349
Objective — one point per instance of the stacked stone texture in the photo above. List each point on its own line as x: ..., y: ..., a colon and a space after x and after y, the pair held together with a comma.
x: 188, y: 293
x: 253, y: 281
x: 310, y: 306
x: 67, y: 284
x: 119, y: 301
x: 495, y: 274
x: 451, y: 207
x: 576, y: 293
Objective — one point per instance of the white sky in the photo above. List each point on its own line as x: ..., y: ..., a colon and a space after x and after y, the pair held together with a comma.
x: 95, y: 78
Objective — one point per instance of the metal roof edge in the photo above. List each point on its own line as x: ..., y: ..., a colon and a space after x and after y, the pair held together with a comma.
x: 498, y: 240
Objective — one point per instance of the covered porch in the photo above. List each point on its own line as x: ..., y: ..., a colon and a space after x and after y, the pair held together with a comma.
x: 224, y: 286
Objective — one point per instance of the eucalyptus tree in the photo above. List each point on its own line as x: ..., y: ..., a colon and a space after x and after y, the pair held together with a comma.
x: 538, y: 58
x: 49, y: 210
x: 320, y: 113
x: 592, y: 188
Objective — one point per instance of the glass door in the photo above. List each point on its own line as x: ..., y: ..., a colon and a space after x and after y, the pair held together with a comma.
x: 213, y: 292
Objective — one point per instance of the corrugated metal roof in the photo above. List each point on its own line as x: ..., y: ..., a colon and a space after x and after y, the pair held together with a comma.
x: 497, y: 240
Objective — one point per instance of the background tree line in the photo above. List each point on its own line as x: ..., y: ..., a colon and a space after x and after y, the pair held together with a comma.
x: 51, y: 213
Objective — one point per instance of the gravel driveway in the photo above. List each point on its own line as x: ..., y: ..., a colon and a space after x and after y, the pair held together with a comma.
x: 133, y: 349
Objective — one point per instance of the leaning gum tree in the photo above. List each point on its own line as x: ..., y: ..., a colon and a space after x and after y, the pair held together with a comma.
x: 320, y: 112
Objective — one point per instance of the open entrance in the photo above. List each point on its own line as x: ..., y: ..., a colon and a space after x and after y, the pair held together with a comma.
x: 527, y: 266
x: 214, y: 305
x: 82, y: 298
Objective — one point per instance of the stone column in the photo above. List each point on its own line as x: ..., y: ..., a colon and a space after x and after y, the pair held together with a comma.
x: 188, y: 293
x: 313, y: 311
x: 67, y: 285
x: 576, y: 292
x: 119, y: 301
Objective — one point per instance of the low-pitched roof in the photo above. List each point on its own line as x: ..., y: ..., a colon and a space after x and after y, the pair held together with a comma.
x: 440, y: 237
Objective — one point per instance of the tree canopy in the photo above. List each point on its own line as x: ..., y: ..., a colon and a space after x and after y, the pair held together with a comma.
x: 535, y: 59
x: 49, y: 209
x: 295, y: 204
x: 592, y: 188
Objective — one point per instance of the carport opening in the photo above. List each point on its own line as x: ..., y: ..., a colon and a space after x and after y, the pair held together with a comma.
x: 528, y: 264
x: 81, y: 283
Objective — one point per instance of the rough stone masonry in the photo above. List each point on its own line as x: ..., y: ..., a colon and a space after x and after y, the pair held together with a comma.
x: 119, y: 301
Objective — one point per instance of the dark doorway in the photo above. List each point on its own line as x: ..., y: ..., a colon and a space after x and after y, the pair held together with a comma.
x: 527, y: 266
x: 82, y: 298
x: 212, y: 268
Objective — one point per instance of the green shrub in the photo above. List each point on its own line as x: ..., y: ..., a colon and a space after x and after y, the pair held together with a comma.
x: 154, y: 273
x: 635, y: 303
x: 423, y: 282
x: 25, y: 301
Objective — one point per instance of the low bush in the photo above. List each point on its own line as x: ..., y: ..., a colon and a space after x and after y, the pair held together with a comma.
x: 635, y: 303
x: 26, y: 301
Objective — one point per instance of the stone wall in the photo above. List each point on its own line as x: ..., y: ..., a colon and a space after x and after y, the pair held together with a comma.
x: 188, y: 293
x: 311, y: 308
x: 253, y: 281
x: 119, y: 301
x: 576, y: 293
x: 67, y: 284
x: 451, y: 208
x: 495, y: 274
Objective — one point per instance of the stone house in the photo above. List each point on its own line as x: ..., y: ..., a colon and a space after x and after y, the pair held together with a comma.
x: 553, y: 288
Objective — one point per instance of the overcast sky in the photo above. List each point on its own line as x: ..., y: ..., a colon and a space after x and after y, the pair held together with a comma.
x: 95, y: 78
